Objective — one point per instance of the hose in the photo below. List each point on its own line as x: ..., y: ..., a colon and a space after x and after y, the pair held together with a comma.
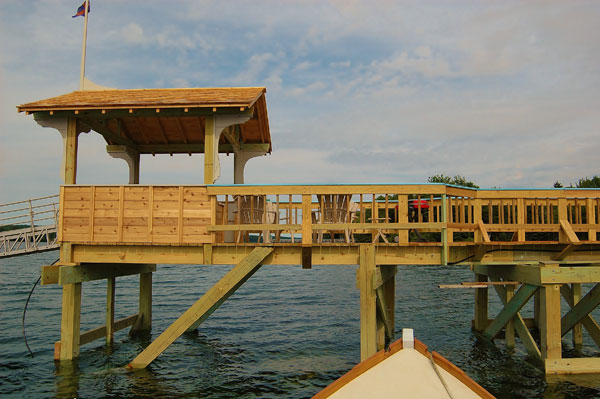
x: 25, y: 309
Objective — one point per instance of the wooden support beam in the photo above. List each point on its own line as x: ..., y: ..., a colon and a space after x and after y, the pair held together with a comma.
x: 110, y: 136
x: 307, y: 220
x: 566, y: 251
x: 567, y: 229
x: 307, y: 257
x: 583, y: 308
x: 99, y: 271
x: 97, y: 333
x: 481, y: 305
x: 586, y: 365
x: 509, y: 336
x: 70, y: 321
x: 110, y: 309
x: 528, y: 274
x: 520, y: 325
x: 484, y: 234
x: 444, y: 234
x: 210, y: 163
x: 384, y: 285
x: 511, y: 308
x: 592, y: 327
x: 550, y: 323
x: 577, y: 328
x: 204, y: 307
x: 368, y: 302
x: 70, y: 144
x: 569, y: 274
x: 144, y: 323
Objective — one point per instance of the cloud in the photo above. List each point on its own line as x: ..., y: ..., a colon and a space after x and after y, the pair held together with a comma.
x: 133, y: 33
x: 503, y: 93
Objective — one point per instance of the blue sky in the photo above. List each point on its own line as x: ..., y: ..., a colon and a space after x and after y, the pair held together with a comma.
x: 504, y: 93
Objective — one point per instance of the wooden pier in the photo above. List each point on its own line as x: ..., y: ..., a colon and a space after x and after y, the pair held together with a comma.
x: 524, y: 244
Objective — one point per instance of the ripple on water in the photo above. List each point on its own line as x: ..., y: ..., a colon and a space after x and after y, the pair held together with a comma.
x: 287, y: 333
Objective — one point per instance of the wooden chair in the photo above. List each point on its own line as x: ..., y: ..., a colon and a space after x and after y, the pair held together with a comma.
x: 335, y: 208
x: 251, y: 210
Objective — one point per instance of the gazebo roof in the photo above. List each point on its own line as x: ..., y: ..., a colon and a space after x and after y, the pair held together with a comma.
x: 163, y: 120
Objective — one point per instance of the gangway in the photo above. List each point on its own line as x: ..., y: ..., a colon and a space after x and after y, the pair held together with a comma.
x: 28, y: 226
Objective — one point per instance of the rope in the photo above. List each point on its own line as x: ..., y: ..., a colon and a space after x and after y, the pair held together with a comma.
x: 25, y: 309
x: 440, y: 376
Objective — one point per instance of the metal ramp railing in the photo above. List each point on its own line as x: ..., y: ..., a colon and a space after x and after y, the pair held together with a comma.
x: 28, y: 226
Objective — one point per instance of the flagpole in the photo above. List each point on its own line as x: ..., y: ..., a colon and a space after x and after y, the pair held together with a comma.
x: 83, y: 46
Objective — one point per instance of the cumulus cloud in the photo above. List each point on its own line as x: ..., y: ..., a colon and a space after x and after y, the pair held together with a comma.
x: 504, y: 93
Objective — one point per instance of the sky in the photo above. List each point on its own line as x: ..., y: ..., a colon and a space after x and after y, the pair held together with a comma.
x: 505, y: 93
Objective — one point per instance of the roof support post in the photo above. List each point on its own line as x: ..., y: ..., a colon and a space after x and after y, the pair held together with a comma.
x: 69, y: 130
x: 213, y: 127
x: 129, y: 155
x: 239, y: 163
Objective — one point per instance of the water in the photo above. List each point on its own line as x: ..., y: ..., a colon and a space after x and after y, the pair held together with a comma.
x: 286, y: 333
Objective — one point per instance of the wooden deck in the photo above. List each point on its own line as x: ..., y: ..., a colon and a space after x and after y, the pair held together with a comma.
x: 410, y: 224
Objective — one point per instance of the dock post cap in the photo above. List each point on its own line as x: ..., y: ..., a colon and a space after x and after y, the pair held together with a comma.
x: 408, y: 339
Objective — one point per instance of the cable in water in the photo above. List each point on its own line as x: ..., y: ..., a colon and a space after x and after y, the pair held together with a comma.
x: 25, y: 309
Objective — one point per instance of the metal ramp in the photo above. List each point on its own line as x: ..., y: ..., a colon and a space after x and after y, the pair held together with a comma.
x: 28, y: 226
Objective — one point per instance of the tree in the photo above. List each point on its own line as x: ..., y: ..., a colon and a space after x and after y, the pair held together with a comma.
x: 457, y: 180
x: 557, y: 184
x: 594, y: 182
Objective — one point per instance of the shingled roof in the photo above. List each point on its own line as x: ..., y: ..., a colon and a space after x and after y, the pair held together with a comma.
x: 163, y: 120
x: 148, y: 98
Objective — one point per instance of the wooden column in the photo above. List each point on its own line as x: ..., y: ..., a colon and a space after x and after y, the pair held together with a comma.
x: 577, y: 330
x: 69, y: 326
x: 562, y: 215
x: 145, y: 302
x: 521, y: 218
x: 481, y: 305
x: 70, y: 144
x: 368, y: 306
x: 110, y: 309
x: 129, y: 155
x: 550, y: 333
x: 509, y: 335
x: 402, y: 217
x: 209, y: 149
x: 444, y: 258
x: 68, y: 348
x: 590, y: 213
x: 385, y: 289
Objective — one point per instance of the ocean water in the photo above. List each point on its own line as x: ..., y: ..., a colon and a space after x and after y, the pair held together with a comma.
x: 286, y: 333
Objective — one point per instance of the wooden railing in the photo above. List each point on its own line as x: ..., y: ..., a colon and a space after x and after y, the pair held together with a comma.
x: 428, y: 214
x: 28, y: 226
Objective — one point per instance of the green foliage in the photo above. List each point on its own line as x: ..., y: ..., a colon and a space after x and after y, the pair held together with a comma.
x: 594, y: 182
x: 557, y: 184
x: 13, y: 227
x: 456, y: 180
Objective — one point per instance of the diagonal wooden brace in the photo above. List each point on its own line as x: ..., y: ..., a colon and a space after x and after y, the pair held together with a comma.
x: 588, y: 321
x: 519, y: 324
x: 583, y: 308
x: 204, y: 306
x: 510, y: 310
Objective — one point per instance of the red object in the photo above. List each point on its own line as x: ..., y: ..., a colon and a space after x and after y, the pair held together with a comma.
x: 415, y: 204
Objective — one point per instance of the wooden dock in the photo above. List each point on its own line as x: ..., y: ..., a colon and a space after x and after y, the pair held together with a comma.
x: 524, y: 244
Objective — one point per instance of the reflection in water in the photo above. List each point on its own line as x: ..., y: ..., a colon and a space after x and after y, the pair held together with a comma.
x: 67, y: 379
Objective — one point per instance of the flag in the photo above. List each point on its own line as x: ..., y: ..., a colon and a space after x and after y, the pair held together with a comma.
x: 81, y: 10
